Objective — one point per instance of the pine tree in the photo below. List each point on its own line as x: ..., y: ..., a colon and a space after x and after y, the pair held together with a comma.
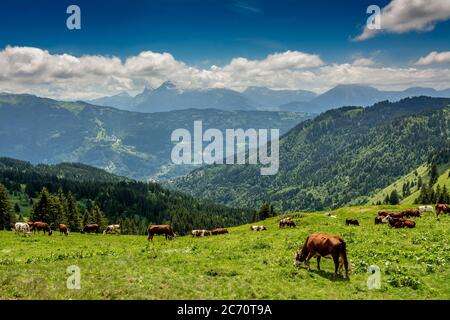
x: 16, y: 208
x: 387, y: 200
x: 41, y: 209
x: 394, y: 198
x: 419, y: 183
x: 99, y: 218
x: 87, y: 218
x: 73, y: 213
x: 434, y: 175
x: 6, y: 218
x: 264, y: 211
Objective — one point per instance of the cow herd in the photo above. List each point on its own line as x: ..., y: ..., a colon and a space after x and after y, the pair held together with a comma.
x: 316, y: 245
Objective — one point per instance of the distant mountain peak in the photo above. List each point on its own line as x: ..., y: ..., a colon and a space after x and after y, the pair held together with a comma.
x: 167, y: 85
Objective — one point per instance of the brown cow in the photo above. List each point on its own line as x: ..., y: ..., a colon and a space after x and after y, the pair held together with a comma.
x: 91, y: 228
x: 38, y: 226
x: 351, y: 222
x: 321, y: 245
x: 411, y: 213
x: 379, y: 219
x: 63, y: 229
x: 400, y: 222
x: 164, y: 229
x: 445, y: 208
x: 218, y: 231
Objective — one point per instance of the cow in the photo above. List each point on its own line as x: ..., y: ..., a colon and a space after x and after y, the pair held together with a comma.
x: 45, y: 227
x: 400, y: 222
x: 201, y: 233
x: 63, y: 229
x: 164, y: 229
x: 411, y: 213
x: 321, y: 245
x: 112, y: 228
x: 425, y: 209
x: 287, y: 222
x: 91, y: 228
x: 218, y: 231
x: 445, y: 208
x: 328, y: 214
x: 258, y: 228
x: 384, y: 213
x: 21, y: 227
x: 351, y: 222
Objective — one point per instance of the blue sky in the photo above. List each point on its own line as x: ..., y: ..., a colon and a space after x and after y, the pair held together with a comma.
x: 210, y: 31
x: 203, y: 38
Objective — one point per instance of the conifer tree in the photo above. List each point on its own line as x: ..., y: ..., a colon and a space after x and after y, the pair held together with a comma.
x: 6, y: 218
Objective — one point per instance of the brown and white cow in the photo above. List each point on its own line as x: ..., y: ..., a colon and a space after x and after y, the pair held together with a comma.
x: 23, y: 228
x: 258, y: 228
x: 400, y: 222
x: 201, y: 233
x: 287, y: 222
x: 42, y: 226
x: 321, y: 245
x: 112, y: 229
x: 411, y: 213
x: 442, y: 208
x: 163, y: 229
x: 218, y: 231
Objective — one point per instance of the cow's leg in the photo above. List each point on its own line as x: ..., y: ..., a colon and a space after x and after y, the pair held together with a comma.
x: 310, y: 255
x: 318, y: 262
x: 336, y: 264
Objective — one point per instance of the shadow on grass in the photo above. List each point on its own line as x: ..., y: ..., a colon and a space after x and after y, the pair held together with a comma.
x: 329, y: 275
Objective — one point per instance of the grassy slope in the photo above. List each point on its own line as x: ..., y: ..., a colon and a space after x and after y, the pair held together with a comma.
x: 422, y: 171
x: 240, y: 265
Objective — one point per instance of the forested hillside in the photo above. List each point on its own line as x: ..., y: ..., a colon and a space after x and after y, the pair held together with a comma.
x: 340, y: 157
x: 125, y: 143
x: 125, y: 201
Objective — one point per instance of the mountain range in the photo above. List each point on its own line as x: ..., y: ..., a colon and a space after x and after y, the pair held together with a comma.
x: 340, y: 157
x: 136, y: 145
x: 169, y: 97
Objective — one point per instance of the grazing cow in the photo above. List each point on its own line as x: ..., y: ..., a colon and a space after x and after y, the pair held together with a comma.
x: 112, y: 228
x: 63, y: 229
x: 218, y: 231
x: 321, y: 245
x: 164, y: 229
x: 425, y: 208
x: 384, y: 213
x: 411, y: 213
x: 21, y: 227
x: 258, y: 228
x: 91, y: 228
x: 351, y: 222
x: 400, y: 222
x: 445, y: 208
x: 201, y: 233
x: 45, y: 227
x: 287, y: 222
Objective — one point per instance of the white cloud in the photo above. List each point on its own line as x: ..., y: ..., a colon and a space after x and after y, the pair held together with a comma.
x: 434, y: 58
x: 64, y: 76
x: 401, y: 16
x: 363, y: 62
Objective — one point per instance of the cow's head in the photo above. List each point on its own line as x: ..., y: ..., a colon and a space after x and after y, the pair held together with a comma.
x: 50, y: 232
x: 299, y: 257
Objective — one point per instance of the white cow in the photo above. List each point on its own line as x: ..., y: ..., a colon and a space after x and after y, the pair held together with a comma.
x: 425, y: 209
x: 258, y: 228
x: 112, y: 228
x: 201, y: 233
x: 21, y: 227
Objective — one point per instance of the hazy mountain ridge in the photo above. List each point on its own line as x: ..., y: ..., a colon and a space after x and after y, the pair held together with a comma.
x: 168, y: 97
x: 131, y: 144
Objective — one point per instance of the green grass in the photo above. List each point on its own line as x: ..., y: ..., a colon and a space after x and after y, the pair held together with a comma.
x: 422, y: 171
x: 241, y: 265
